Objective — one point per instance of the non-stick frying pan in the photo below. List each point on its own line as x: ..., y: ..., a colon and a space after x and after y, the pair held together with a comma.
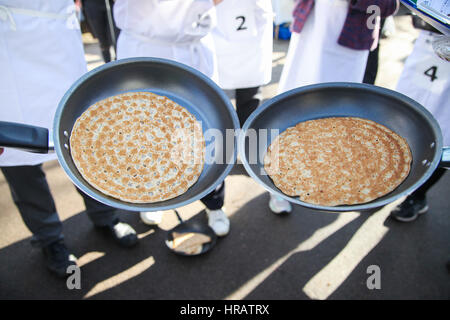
x: 186, y: 86
x: 389, y: 108
x: 192, y: 226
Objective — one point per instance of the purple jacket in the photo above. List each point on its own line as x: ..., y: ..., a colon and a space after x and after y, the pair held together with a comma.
x: 355, y: 34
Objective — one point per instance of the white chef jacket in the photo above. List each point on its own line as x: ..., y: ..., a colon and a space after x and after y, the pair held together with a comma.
x: 172, y: 29
x: 243, y: 38
x: 426, y: 79
x: 314, y: 55
x: 41, y: 55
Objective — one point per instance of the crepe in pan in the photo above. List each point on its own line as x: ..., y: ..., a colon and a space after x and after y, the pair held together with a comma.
x: 138, y: 147
x: 338, y: 161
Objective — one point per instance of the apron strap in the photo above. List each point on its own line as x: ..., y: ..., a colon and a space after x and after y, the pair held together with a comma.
x: 160, y: 42
x: 6, y: 15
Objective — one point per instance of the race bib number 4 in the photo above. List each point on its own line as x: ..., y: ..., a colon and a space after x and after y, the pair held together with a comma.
x: 430, y: 72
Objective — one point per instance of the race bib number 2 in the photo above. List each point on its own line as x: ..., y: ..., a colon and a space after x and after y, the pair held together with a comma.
x: 241, y: 23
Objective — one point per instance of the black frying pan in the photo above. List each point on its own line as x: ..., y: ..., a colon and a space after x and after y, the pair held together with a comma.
x: 186, y: 86
x: 191, y: 227
x: 389, y: 108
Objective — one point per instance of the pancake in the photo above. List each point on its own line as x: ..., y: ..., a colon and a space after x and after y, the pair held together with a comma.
x: 189, y: 243
x: 138, y: 147
x: 338, y: 161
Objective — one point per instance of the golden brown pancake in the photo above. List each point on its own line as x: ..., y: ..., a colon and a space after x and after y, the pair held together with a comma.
x: 138, y: 147
x: 189, y: 243
x: 338, y: 161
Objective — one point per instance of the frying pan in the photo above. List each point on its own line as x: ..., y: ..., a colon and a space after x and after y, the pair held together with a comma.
x: 184, y: 85
x: 192, y: 227
x: 399, y: 113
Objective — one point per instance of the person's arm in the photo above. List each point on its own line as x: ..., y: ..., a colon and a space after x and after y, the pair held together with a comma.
x: 387, y: 7
x: 216, y: 2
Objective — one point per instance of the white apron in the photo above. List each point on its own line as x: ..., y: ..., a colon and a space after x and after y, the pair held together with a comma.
x: 426, y: 79
x: 41, y: 55
x: 172, y: 29
x: 314, y: 55
x: 243, y: 39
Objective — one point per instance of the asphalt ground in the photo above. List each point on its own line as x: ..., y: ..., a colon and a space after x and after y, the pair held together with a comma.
x: 303, y: 255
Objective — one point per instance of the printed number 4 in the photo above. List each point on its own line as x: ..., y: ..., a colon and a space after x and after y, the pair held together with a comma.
x: 431, y: 72
x: 241, y: 26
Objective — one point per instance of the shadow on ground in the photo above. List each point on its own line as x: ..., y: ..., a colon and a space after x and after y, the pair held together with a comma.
x: 412, y: 259
x: 253, y: 244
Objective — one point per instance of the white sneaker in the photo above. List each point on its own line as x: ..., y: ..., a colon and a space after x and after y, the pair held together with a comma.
x: 278, y: 205
x: 218, y: 221
x: 152, y: 218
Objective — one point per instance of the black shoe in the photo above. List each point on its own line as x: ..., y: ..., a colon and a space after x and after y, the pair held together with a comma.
x: 58, y: 258
x: 410, y: 209
x: 122, y: 233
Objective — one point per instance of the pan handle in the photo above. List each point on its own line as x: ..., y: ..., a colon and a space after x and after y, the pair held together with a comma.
x: 25, y: 137
x: 445, y: 159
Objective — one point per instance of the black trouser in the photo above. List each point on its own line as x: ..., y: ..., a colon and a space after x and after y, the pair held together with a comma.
x: 247, y: 100
x: 215, y: 199
x: 97, y: 18
x: 370, y: 74
x: 32, y: 196
x: 371, y: 71
x: 421, y: 193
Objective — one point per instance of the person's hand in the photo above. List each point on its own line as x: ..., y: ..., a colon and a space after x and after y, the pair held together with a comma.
x: 216, y: 2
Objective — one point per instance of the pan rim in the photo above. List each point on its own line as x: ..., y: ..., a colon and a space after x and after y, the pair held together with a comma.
x: 116, y: 203
x: 344, y: 85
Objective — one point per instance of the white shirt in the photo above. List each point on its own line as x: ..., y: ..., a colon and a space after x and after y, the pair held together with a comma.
x: 172, y: 29
x: 41, y: 55
x: 243, y: 38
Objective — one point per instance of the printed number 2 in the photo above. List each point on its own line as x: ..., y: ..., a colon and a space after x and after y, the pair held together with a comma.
x: 241, y: 26
x: 431, y: 72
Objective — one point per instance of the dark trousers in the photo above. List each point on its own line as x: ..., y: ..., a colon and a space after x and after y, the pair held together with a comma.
x: 215, y: 199
x: 31, y: 194
x: 371, y: 71
x: 370, y: 74
x: 421, y: 193
x: 247, y: 100
x: 97, y: 19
